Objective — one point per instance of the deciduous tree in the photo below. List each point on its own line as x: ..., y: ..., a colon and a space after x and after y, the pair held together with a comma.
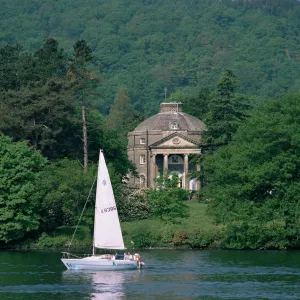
x: 19, y: 166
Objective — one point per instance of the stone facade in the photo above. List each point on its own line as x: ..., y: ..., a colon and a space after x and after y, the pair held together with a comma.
x: 164, y: 142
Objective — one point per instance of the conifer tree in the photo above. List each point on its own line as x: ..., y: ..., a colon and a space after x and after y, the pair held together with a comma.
x: 122, y: 117
x: 226, y: 111
x: 80, y: 69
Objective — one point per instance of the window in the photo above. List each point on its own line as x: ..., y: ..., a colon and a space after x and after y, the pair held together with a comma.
x: 174, y: 125
x: 142, y: 141
x: 142, y: 159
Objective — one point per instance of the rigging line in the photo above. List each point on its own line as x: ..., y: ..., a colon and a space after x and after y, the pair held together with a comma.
x: 82, y: 212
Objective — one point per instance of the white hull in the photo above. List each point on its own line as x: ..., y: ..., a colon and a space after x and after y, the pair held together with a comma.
x: 96, y: 264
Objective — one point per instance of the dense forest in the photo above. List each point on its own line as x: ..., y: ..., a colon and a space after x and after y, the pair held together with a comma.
x: 146, y: 46
x: 66, y: 68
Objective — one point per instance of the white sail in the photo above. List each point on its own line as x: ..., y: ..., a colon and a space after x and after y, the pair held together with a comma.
x: 107, y: 229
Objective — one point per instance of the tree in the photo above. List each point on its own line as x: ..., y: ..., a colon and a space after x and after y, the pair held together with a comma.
x: 167, y: 200
x: 41, y: 114
x: 80, y: 69
x: 62, y: 190
x: 16, y: 67
x: 19, y: 167
x: 197, y: 105
x: 50, y: 61
x: 122, y: 117
x: 226, y: 111
x: 255, y: 179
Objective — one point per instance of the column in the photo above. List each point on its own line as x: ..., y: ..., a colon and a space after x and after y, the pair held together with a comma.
x: 186, y: 171
x: 198, y: 183
x: 153, y: 170
x: 166, y: 162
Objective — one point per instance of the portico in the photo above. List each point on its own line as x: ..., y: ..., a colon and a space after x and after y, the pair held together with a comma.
x: 173, y: 161
x: 165, y: 142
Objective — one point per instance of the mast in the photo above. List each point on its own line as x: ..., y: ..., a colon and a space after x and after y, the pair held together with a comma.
x: 85, y: 149
x: 94, y: 248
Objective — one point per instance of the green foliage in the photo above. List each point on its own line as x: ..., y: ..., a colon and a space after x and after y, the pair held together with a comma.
x: 166, y: 234
x: 62, y: 236
x: 180, y: 238
x: 49, y: 61
x: 162, y: 233
x: 148, y: 45
x: 133, y: 204
x: 143, y: 237
x: 19, y: 167
x: 177, y: 96
x: 225, y: 111
x: 19, y: 68
x: 15, y: 67
x: 122, y: 117
x: 82, y: 52
x: 40, y: 113
x: 255, y: 179
x: 201, y: 239
x: 253, y: 236
x: 167, y: 200
x: 64, y: 188
x: 197, y: 105
x: 46, y: 241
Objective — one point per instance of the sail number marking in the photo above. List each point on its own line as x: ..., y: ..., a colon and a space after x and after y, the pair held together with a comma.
x: 108, y: 209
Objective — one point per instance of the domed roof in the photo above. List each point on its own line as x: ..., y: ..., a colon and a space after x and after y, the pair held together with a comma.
x: 171, y: 117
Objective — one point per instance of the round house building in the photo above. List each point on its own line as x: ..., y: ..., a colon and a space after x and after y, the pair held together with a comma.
x: 163, y: 143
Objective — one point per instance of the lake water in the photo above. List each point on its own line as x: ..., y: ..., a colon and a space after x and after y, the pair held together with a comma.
x: 168, y: 275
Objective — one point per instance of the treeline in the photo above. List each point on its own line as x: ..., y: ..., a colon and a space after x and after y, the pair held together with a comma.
x: 271, y: 6
x: 250, y: 168
x: 42, y: 96
x: 146, y: 46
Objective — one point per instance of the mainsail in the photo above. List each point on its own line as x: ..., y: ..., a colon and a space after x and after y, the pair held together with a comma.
x: 107, y: 229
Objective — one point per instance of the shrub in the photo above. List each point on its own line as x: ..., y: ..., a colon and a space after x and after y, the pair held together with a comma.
x: 133, y: 204
x: 143, y: 237
x: 167, y: 234
x: 202, y: 239
x: 167, y: 200
x: 46, y: 241
x: 62, y: 236
x: 259, y: 236
x: 180, y: 238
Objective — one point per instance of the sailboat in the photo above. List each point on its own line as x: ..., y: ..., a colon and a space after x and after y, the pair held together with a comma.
x: 107, y: 232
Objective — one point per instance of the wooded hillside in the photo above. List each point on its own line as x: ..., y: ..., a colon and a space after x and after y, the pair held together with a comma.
x: 147, y: 45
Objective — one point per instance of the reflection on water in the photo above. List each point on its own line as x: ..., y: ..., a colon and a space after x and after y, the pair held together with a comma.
x: 104, y: 284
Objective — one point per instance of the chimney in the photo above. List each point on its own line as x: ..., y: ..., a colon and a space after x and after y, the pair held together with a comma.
x: 167, y: 107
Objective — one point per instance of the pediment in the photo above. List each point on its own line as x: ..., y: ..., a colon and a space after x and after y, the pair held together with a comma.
x: 175, y: 140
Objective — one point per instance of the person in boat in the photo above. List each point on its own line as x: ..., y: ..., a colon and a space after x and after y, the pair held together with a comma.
x: 118, y: 256
x: 127, y: 256
x: 137, y: 257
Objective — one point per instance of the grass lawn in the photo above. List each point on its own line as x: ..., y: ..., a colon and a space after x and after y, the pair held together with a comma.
x: 152, y: 231
x: 198, y: 219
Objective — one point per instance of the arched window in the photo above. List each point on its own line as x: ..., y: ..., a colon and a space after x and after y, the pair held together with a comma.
x: 174, y: 126
x: 175, y: 159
